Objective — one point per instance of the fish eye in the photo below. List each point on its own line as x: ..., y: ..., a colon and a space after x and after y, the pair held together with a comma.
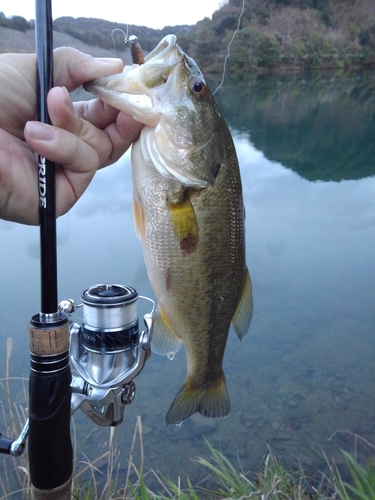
x: 198, y: 88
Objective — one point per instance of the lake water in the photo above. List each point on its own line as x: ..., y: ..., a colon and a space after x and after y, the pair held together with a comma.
x: 305, y: 370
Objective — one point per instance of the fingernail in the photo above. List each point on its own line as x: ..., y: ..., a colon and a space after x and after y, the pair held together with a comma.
x: 68, y: 99
x: 40, y: 131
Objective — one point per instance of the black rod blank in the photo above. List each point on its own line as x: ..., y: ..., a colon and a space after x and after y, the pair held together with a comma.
x: 47, y: 196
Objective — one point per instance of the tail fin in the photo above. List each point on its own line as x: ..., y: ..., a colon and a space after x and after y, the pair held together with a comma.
x: 210, y: 402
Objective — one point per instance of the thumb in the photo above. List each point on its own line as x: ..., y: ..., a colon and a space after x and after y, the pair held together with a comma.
x: 72, y: 68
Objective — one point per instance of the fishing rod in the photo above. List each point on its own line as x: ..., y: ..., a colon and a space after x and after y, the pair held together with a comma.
x: 48, y: 426
x: 49, y: 443
x: 107, y: 350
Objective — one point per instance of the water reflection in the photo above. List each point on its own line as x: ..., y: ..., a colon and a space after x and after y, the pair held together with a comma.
x: 306, y: 367
x: 322, y: 128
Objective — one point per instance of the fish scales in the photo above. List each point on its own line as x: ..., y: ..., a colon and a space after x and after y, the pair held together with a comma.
x: 189, y: 215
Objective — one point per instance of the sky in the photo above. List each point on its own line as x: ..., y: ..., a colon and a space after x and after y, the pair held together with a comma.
x: 151, y: 13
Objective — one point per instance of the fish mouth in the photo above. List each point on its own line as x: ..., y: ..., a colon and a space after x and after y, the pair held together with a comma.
x: 139, y: 89
x: 164, y: 51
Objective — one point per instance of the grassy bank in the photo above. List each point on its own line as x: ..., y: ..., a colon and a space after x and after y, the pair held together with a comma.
x: 224, y: 480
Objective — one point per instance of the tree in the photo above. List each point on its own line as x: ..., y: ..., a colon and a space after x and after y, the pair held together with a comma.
x: 3, y: 19
x: 18, y: 23
x: 367, y: 37
x: 267, y: 50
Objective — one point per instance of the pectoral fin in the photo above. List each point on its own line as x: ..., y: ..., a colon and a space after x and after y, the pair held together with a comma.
x: 163, y: 339
x: 244, y: 310
x: 184, y: 223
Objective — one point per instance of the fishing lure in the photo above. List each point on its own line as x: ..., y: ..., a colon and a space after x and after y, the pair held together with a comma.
x: 136, y: 51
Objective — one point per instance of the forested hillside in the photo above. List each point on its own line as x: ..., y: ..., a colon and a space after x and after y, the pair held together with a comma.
x: 292, y: 34
x: 273, y: 34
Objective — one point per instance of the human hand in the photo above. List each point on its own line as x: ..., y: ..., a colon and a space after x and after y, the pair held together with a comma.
x: 83, y: 137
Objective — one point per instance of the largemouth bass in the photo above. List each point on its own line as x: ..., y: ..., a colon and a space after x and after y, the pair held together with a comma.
x: 189, y: 215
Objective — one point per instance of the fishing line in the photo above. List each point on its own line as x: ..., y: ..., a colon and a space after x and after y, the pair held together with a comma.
x: 230, y: 43
x: 126, y: 37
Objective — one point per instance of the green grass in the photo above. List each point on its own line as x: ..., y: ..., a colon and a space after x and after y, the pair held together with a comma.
x: 362, y: 486
x: 225, y: 481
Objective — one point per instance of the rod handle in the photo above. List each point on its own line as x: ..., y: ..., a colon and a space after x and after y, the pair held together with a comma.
x: 49, y: 443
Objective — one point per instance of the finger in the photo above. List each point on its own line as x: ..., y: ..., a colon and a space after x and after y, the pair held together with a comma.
x: 17, y: 99
x: 72, y: 68
x: 76, y: 161
x: 18, y: 181
x: 64, y: 116
x: 120, y: 129
x: 62, y: 146
x: 122, y: 135
x: 96, y: 112
x: 61, y: 110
